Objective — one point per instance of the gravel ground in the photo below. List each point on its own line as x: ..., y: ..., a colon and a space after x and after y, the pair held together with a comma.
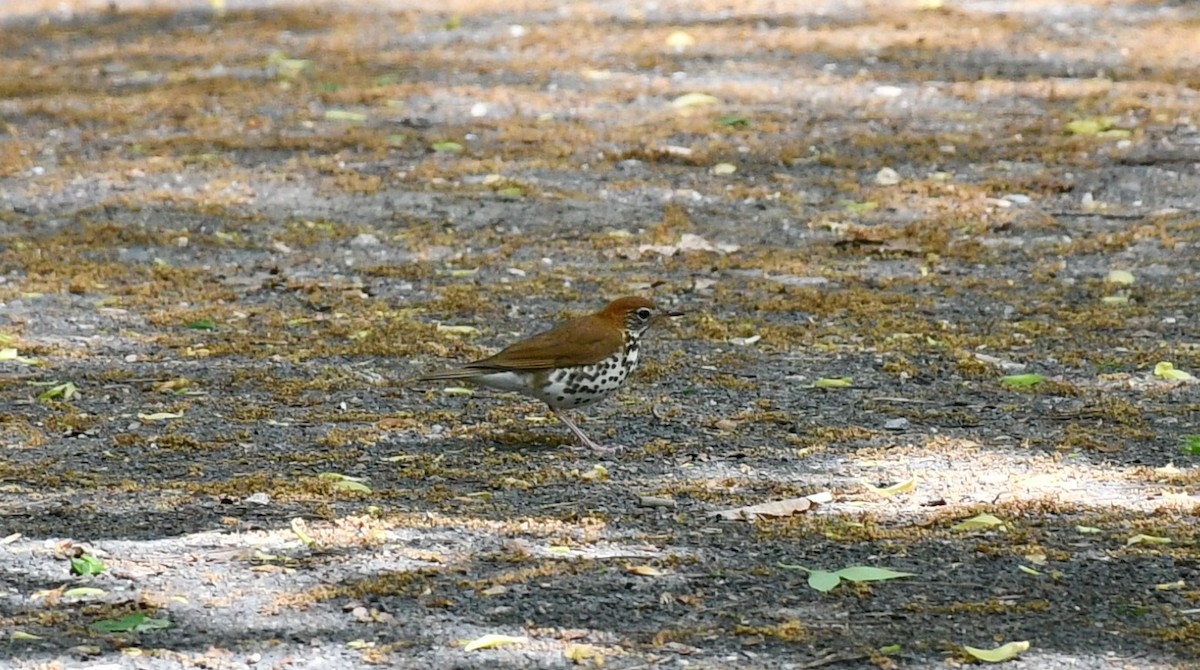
x: 228, y: 241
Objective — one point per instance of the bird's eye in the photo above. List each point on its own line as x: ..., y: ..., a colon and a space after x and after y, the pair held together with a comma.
x: 643, y: 313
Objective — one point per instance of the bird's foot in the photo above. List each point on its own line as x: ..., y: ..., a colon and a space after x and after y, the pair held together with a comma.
x: 597, y: 448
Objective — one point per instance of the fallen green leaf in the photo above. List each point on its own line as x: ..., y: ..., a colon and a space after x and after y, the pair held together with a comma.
x: 865, y: 573
x: 1000, y: 654
x: 733, y: 121
x: 820, y: 580
x: 1191, y: 445
x: 62, y: 392
x: 832, y: 383
x: 130, y: 623
x: 890, y: 649
x: 1022, y: 381
x: 340, y: 482
x: 1088, y: 530
x: 859, y: 207
x: 825, y: 581
x: 83, y: 592
x: 344, y: 115
x: 448, y: 147
x: 22, y: 635
x: 202, y: 324
x: 86, y: 564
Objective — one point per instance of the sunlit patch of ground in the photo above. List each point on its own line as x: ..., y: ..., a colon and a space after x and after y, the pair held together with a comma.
x: 238, y: 236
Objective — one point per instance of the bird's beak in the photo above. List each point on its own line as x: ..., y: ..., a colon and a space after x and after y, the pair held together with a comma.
x: 666, y: 316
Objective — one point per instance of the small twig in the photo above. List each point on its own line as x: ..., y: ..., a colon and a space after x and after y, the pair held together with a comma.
x: 836, y: 657
x: 1102, y: 215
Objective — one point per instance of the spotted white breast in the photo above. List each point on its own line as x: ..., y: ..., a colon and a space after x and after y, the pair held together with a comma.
x: 587, y: 384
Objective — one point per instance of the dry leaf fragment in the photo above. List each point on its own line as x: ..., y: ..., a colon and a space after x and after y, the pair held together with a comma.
x: 776, y: 508
x: 644, y: 570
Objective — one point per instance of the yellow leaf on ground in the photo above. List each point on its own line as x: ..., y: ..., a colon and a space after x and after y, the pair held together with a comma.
x: 492, y: 640
x: 1146, y: 539
x: 582, y: 653
x: 1000, y: 654
x: 981, y: 522
x: 694, y: 100
x: 899, y: 487
x: 159, y: 416
x: 1167, y: 370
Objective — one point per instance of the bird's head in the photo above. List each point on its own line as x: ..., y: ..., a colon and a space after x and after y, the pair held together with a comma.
x: 635, y: 314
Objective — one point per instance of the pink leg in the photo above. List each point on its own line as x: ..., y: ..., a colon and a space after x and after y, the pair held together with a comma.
x: 587, y: 441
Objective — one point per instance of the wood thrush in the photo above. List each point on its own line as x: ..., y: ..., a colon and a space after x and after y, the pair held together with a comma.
x: 575, y: 364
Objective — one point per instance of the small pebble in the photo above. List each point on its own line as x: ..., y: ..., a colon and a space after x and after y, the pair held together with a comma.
x: 364, y: 240
x: 896, y: 424
x: 887, y: 177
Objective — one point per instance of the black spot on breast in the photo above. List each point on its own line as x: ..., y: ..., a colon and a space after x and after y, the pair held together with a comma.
x: 560, y: 398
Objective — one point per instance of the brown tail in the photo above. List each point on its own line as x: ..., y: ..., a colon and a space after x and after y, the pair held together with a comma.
x: 444, y: 375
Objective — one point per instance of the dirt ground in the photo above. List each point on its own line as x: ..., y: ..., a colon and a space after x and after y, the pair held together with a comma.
x: 228, y: 238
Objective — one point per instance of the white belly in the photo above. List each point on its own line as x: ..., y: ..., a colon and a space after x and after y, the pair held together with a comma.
x: 506, y: 381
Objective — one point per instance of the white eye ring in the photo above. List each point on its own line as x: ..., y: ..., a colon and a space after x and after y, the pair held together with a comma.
x: 644, y: 313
